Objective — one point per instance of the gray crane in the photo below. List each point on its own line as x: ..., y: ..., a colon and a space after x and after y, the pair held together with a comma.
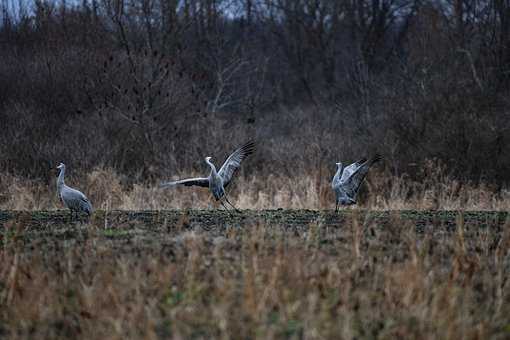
x: 347, y: 181
x: 217, y: 181
x: 73, y: 199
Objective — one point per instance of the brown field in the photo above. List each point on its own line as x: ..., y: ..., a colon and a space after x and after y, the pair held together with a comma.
x: 279, y: 274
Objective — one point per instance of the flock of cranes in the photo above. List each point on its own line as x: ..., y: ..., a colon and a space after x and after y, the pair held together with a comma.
x: 345, y: 183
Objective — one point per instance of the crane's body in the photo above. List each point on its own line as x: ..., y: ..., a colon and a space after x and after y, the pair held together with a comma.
x: 347, y: 181
x: 72, y: 199
x: 217, y: 181
x: 216, y: 185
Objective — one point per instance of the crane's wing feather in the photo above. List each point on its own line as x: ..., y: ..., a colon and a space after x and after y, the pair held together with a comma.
x: 353, y: 183
x: 350, y: 169
x: 233, y: 161
x: 86, y: 205
x: 200, y: 182
x: 75, y: 199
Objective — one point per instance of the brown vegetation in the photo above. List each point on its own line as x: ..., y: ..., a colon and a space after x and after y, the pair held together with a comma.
x: 254, y: 281
x: 382, y: 191
x: 148, y: 88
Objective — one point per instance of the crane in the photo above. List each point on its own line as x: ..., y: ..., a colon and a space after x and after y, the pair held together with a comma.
x: 347, y: 181
x: 217, y: 181
x: 73, y: 199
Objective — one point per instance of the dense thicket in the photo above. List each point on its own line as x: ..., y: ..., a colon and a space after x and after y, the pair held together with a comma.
x: 148, y: 86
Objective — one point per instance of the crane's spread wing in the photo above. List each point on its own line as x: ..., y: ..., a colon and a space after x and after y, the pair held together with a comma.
x: 200, y: 182
x: 233, y: 161
x: 353, y: 183
x: 349, y: 170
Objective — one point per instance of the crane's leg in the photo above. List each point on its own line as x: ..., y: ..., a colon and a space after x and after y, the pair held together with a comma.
x: 226, y: 198
x: 224, y: 206
x: 336, y: 208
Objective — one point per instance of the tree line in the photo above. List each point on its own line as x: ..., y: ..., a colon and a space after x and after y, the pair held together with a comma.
x: 131, y: 84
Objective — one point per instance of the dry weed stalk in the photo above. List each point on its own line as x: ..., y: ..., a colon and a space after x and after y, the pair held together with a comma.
x: 357, y: 233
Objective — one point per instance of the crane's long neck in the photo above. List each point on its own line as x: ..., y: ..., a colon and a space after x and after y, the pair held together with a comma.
x: 338, y: 173
x: 60, y: 179
x: 213, y: 168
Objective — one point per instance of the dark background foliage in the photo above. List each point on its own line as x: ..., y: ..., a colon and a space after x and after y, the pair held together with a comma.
x: 150, y: 87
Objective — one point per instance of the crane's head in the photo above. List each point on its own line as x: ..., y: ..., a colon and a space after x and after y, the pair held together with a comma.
x: 61, y: 166
x: 208, y: 159
x: 338, y: 165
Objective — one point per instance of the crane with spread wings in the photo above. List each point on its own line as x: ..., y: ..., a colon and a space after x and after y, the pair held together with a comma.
x: 217, y: 181
x: 347, y: 181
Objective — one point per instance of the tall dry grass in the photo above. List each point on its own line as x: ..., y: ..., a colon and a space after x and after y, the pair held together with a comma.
x: 309, y: 190
x: 259, y: 282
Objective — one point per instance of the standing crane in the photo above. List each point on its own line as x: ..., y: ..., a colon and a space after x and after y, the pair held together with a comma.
x: 217, y: 181
x: 73, y: 199
x: 346, y: 182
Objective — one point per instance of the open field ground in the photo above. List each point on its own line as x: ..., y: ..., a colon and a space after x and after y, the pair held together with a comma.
x: 295, y: 274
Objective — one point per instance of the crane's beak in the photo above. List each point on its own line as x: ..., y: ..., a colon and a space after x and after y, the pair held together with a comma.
x: 56, y: 170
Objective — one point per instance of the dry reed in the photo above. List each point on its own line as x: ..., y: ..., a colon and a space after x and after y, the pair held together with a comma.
x: 382, y: 191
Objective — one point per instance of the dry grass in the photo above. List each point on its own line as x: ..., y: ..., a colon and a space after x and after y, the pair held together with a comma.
x: 309, y: 190
x: 258, y: 282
